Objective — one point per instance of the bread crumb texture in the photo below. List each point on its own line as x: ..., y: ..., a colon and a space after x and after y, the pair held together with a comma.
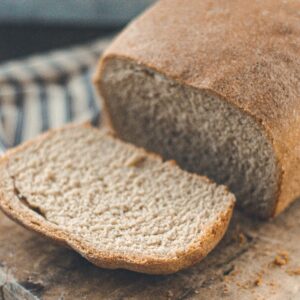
x: 198, y: 129
x: 113, y: 196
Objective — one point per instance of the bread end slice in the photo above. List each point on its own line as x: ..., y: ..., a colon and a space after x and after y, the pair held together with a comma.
x: 115, y: 204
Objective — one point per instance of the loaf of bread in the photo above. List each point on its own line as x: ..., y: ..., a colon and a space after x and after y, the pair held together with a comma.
x: 214, y: 85
x: 117, y: 205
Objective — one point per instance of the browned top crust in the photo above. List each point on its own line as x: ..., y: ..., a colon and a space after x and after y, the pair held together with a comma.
x: 247, y: 52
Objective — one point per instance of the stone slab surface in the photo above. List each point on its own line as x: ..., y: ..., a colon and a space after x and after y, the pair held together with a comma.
x: 255, y: 260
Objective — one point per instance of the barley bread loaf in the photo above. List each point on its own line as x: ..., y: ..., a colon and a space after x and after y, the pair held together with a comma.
x: 115, y: 204
x: 214, y: 85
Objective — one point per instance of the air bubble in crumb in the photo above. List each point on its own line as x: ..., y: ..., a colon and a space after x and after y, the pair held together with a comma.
x: 50, y: 176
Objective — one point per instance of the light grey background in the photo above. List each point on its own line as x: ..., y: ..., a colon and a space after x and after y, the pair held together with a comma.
x: 85, y: 12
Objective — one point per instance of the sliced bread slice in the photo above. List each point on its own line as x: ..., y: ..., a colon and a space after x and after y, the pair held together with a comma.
x: 115, y: 204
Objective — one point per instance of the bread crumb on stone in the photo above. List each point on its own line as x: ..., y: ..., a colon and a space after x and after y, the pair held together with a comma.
x: 258, y: 281
x: 170, y: 294
x: 226, y: 289
x: 295, y: 271
x: 281, y: 259
x: 242, y: 238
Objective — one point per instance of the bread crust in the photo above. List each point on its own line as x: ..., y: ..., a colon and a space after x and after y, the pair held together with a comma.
x: 245, y: 52
x: 17, y: 211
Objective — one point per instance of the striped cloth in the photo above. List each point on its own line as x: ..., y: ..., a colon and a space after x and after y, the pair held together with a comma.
x: 47, y: 91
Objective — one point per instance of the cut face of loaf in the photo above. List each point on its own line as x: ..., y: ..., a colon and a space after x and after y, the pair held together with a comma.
x: 117, y: 205
x: 214, y: 85
x: 202, y: 132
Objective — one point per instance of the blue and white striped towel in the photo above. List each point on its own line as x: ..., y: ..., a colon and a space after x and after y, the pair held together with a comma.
x: 47, y: 91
